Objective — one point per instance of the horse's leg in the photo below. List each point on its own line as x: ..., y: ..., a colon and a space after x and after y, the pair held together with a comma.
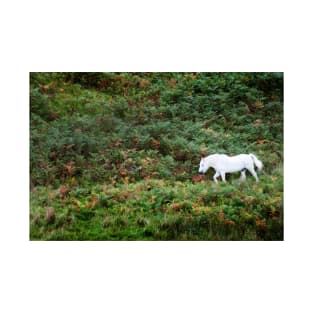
x: 252, y: 171
x: 217, y: 174
x: 243, y: 175
x: 223, y: 176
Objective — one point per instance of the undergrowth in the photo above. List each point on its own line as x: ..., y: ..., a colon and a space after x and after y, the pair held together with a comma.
x: 114, y: 156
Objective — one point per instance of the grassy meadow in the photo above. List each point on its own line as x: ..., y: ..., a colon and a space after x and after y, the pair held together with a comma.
x: 115, y: 156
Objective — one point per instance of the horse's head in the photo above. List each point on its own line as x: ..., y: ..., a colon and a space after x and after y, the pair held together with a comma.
x: 204, y: 165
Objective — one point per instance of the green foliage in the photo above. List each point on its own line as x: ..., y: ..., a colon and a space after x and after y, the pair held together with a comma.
x: 127, y: 147
x: 161, y: 210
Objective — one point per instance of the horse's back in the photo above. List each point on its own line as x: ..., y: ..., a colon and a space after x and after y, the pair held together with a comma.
x: 240, y: 156
x: 232, y: 163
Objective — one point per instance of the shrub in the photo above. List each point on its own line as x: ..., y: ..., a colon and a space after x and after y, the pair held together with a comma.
x: 127, y: 147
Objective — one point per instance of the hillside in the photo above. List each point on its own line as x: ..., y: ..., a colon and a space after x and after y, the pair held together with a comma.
x: 115, y: 156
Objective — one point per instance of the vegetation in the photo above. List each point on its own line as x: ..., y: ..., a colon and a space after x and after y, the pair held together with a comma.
x: 114, y: 156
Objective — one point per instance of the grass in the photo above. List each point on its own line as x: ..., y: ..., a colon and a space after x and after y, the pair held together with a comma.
x: 114, y: 156
x: 162, y: 210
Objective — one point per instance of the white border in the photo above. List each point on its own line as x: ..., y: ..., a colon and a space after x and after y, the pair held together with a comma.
x: 155, y: 36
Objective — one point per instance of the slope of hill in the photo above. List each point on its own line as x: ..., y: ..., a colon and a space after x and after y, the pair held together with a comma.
x: 114, y: 156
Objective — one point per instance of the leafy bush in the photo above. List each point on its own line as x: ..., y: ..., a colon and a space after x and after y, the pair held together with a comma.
x: 134, y: 140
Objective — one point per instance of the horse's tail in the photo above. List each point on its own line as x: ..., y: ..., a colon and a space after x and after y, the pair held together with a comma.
x: 257, y: 162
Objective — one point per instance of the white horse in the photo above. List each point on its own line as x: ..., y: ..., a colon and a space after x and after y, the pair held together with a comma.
x: 225, y: 164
